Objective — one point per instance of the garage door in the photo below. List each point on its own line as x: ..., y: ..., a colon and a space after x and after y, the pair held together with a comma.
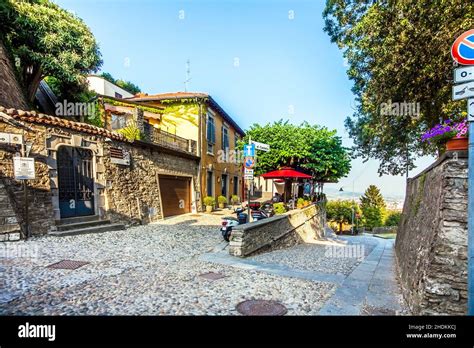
x: 175, y: 195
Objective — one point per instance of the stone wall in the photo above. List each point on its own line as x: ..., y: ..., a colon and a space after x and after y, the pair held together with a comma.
x: 127, y: 194
x: 277, y: 232
x: 133, y: 192
x: 40, y: 208
x: 431, y: 244
x: 11, y: 94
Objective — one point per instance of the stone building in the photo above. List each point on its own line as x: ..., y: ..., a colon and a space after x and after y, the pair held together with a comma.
x: 199, y: 117
x: 89, y: 176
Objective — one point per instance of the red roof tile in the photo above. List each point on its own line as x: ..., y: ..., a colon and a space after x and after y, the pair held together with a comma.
x: 39, y: 118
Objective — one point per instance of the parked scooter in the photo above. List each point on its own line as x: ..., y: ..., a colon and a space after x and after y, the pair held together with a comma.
x: 229, y: 222
x: 264, y: 211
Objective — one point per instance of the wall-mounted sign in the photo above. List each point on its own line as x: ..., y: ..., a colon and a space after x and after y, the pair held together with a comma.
x: 24, y: 168
x: 119, y: 156
x: 9, y: 138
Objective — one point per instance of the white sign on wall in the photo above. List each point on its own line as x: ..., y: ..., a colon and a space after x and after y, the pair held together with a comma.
x: 24, y: 168
x: 9, y: 138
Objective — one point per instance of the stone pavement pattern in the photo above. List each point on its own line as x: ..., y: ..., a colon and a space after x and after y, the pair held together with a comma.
x: 154, y: 270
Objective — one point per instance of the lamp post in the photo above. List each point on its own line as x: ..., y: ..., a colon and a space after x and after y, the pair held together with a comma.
x: 352, y: 208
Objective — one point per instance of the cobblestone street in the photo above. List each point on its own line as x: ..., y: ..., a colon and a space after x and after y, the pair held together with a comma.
x: 155, y: 270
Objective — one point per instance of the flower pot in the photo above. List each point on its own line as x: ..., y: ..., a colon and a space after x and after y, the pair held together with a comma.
x: 209, y: 208
x: 457, y: 144
x: 221, y: 205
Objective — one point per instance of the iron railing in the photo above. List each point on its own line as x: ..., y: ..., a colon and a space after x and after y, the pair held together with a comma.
x: 169, y: 140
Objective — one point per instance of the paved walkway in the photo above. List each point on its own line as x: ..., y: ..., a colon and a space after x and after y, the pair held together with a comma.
x: 371, y: 288
x: 158, y: 269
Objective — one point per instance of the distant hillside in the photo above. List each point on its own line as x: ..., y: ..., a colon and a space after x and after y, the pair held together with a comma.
x: 393, y: 201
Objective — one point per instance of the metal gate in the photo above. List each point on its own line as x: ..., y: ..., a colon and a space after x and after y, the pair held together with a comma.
x: 75, y: 181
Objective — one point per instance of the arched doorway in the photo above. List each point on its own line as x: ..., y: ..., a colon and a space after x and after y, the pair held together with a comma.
x: 75, y: 181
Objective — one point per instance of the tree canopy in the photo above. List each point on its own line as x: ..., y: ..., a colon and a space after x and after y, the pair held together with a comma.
x: 373, y: 207
x: 48, y: 41
x: 126, y: 85
x: 312, y: 148
x: 397, y: 51
x: 340, y: 211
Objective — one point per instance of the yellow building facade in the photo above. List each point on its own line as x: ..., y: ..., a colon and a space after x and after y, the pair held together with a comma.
x: 198, y: 117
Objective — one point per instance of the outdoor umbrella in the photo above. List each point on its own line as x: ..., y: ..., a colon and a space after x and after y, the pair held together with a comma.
x: 286, y: 173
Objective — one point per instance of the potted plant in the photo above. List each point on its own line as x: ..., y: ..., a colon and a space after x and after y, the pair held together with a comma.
x: 452, y: 135
x: 235, y: 199
x: 222, y: 200
x: 300, y: 203
x: 209, y: 202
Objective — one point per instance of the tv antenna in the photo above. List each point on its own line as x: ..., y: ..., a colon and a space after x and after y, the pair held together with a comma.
x: 188, y: 75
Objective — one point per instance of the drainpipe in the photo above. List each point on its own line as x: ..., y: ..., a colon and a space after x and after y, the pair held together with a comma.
x: 199, y: 152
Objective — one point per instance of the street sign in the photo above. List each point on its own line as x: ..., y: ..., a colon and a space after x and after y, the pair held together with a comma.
x: 462, y: 50
x: 249, y: 150
x: 249, y: 162
x: 464, y: 74
x: 261, y: 146
x: 24, y: 168
x: 470, y: 110
x: 464, y: 91
x: 248, y: 173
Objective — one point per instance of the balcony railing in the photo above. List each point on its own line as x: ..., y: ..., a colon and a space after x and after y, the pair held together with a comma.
x: 169, y: 140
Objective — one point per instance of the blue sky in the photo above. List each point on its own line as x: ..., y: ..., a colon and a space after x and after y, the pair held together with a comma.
x: 261, y: 60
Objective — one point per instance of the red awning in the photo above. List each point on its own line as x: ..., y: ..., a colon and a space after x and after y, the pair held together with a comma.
x: 286, y: 173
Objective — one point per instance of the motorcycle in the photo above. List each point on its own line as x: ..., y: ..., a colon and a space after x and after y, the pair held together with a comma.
x: 229, y: 222
x: 264, y: 211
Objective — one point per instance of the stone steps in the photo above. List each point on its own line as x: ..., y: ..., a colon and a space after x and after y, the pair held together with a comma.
x: 86, y: 230
x: 81, y: 225
x: 84, y: 225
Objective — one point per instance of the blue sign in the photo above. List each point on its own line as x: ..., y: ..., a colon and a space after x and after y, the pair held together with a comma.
x: 249, y: 162
x: 249, y: 150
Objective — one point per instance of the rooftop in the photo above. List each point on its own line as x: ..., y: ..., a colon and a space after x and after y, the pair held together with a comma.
x: 143, y: 97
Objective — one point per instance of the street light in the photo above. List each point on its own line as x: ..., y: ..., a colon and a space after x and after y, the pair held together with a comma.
x: 352, y: 208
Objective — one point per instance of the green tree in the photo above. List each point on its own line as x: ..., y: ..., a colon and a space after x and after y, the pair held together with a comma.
x: 393, y: 218
x: 48, y: 41
x: 373, y: 207
x: 397, y: 51
x: 312, y: 148
x: 126, y: 85
x: 340, y: 211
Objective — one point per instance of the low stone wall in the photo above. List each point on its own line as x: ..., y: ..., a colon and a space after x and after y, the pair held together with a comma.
x: 431, y: 244
x: 381, y: 230
x: 280, y: 231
